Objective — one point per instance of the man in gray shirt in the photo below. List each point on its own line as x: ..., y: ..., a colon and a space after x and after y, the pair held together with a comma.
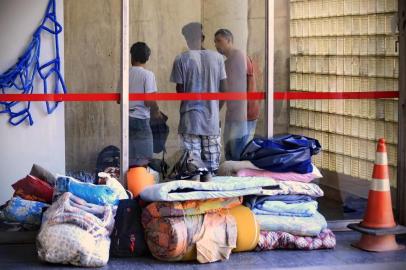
x: 199, y: 71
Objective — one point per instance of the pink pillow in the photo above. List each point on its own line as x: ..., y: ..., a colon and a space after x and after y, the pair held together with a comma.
x: 288, y: 176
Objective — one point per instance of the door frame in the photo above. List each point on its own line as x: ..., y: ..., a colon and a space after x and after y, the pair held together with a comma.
x: 401, y: 169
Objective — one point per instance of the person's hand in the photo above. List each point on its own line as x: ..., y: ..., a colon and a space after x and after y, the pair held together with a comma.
x: 158, y: 115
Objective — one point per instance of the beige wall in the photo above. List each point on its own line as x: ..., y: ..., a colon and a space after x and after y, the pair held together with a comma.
x: 93, y: 47
x: 93, y: 53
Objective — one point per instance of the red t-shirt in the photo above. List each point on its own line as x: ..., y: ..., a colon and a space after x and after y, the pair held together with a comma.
x: 252, y: 105
x: 240, y: 78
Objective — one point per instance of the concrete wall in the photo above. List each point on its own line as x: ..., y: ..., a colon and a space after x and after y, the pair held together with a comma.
x: 42, y: 143
x: 93, y: 58
x: 93, y: 55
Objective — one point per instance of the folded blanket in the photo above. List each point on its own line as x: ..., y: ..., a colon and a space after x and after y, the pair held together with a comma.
x: 96, y: 194
x: 75, y: 232
x: 283, y: 240
x: 302, y: 226
x: 188, y: 208
x: 23, y: 211
x: 220, y: 187
x: 295, y: 188
x: 306, y: 209
x: 210, y: 237
x: 287, y: 176
x: 252, y: 201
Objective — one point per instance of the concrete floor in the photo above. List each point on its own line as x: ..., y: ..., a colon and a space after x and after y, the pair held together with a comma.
x: 24, y: 257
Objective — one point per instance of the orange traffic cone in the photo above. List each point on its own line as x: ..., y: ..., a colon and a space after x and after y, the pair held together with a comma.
x: 379, y: 212
x: 379, y: 227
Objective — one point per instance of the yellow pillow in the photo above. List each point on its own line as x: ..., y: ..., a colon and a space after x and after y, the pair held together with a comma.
x: 247, y: 228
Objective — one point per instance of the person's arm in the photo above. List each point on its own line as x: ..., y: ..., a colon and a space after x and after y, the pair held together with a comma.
x: 176, y: 75
x: 151, y: 87
x: 251, y: 80
x: 251, y: 83
x: 154, y: 108
x: 223, y: 80
x: 223, y: 87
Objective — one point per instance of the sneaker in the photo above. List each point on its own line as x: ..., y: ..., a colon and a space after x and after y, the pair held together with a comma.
x: 206, y: 177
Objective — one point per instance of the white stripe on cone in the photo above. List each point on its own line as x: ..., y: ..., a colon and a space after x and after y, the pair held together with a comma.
x: 381, y: 158
x: 380, y: 185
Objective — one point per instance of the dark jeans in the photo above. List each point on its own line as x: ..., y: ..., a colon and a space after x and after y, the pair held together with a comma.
x: 140, y: 142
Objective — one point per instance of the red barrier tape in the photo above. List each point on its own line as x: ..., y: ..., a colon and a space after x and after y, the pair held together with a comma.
x: 91, y: 97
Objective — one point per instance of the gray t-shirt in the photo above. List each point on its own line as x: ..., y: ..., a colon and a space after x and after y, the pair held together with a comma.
x: 141, y: 81
x: 200, y: 71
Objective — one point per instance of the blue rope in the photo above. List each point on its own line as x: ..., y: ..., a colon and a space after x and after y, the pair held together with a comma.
x: 20, y: 77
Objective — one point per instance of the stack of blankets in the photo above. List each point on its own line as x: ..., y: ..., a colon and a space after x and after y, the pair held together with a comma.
x: 287, y: 215
x: 189, y: 220
x: 32, y: 195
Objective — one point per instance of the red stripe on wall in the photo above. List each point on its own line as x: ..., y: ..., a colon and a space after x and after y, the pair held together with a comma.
x: 94, y: 97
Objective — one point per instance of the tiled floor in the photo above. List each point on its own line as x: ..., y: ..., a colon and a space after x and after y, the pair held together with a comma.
x: 344, y: 257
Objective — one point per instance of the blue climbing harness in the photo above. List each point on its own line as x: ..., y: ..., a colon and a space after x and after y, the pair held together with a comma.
x: 20, y: 77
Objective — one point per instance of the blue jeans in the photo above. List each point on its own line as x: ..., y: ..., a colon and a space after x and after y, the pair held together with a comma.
x: 235, y: 138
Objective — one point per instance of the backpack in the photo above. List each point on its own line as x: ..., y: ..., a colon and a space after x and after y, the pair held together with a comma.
x: 108, y: 157
x: 160, y: 132
x: 127, y: 239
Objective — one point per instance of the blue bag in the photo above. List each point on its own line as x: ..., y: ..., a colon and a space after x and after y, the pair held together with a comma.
x: 285, y: 153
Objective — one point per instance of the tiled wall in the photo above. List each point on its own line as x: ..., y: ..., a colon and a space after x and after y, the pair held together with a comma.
x: 345, y: 46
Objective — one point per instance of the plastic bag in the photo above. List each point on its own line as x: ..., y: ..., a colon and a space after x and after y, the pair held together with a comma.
x: 76, y: 232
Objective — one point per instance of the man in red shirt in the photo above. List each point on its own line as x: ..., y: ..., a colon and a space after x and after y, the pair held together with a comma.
x: 241, y: 116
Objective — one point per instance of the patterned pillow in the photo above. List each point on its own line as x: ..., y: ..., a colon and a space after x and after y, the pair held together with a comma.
x: 23, y: 211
